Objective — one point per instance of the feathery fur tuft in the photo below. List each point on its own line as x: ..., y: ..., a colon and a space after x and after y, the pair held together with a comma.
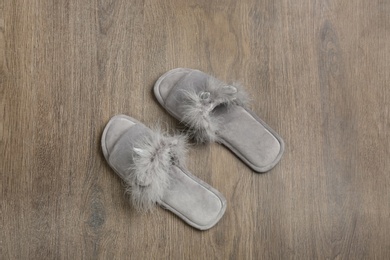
x: 153, y: 158
x: 198, y: 106
x: 196, y: 114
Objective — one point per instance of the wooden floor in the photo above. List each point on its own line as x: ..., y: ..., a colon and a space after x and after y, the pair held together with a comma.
x: 318, y: 73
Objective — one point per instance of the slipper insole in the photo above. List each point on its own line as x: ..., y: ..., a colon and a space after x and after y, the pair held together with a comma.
x: 247, y: 136
x: 192, y: 200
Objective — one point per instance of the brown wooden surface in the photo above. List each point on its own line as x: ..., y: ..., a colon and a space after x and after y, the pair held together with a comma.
x: 317, y: 71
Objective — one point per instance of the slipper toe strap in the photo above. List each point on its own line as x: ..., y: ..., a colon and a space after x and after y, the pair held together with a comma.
x: 152, y: 159
x: 198, y: 103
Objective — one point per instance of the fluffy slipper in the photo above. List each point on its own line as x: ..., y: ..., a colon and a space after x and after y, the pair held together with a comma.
x: 151, y: 164
x: 215, y: 111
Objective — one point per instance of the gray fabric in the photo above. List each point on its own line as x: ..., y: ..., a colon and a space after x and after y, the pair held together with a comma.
x: 194, y: 80
x: 192, y: 200
x: 121, y: 157
x: 250, y: 138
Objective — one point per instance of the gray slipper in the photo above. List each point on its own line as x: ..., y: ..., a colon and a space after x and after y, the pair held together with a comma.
x: 215, y: 111
x: 151, y: 164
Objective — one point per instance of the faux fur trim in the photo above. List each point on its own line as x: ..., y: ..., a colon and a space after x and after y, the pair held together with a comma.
x: 153, y: 158
x: 198, y: 106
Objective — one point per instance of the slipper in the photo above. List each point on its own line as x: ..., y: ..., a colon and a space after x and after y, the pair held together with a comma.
x: 151, y: 164
x: 215, y: 111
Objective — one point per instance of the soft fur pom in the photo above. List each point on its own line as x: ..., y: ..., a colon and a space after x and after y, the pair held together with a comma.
x: 198, y: 106
x: 153, y: 158
x: 196, y: 113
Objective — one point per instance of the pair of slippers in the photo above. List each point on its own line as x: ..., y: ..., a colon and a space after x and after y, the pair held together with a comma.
x: 151, y: 163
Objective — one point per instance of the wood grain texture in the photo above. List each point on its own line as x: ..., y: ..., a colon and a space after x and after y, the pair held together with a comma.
x: 317, y: 72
